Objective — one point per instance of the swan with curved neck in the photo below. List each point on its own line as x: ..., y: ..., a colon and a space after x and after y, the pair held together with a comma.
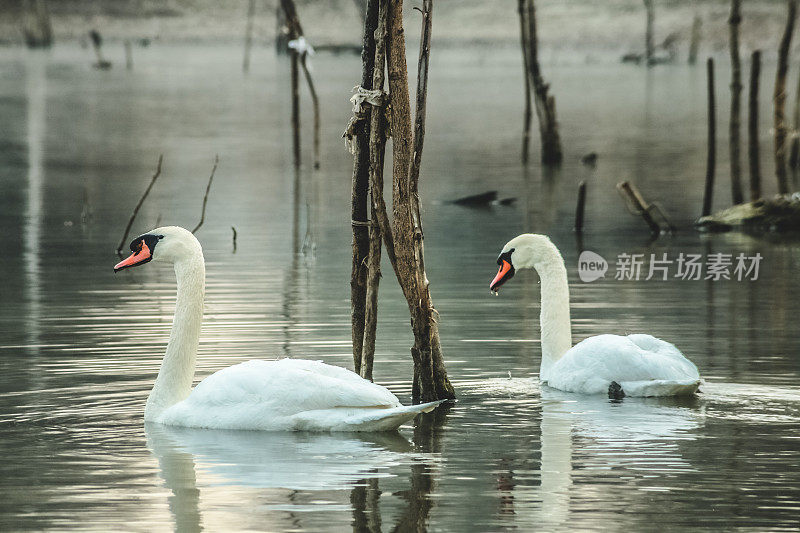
x: 632, y: 365
x: 287, y: 394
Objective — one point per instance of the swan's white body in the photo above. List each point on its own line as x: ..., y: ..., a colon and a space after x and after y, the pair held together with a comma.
x: 282, y: 395
x: 641, y: 365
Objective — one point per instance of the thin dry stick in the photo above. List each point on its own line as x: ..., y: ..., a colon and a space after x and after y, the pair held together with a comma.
x: 315, y: 103
x: 736, y: 90
x: 419, y: 137
x: 205, y: 197
x: 779, y: 99
x: 139, y: 205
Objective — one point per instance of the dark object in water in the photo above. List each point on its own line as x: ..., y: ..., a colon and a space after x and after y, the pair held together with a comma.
x: 589, y: 159
x: 508, y: 201
x: 482, y: 199
x: 144, y: 42
x: 615, y: 391
x: 780, y: 213
x: 633, y: 58
x: 97, y: 43
x: 337, y: 49
x: 97, y: 40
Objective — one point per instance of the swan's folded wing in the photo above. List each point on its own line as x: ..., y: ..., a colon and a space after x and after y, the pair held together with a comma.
x: 593, y: 363
x: 283, y: 388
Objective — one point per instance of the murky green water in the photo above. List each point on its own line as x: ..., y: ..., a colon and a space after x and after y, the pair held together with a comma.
x: 80, y: 347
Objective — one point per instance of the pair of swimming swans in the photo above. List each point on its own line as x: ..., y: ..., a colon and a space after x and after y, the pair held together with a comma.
x: 296, y: 394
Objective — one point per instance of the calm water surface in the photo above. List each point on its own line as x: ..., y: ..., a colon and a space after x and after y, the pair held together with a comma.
x: 80, y: 347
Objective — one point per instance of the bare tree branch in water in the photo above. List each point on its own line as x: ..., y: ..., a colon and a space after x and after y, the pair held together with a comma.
x: 248, y: 35
x: 779, y: 99
x: 139, y: 206
x: 299, y: 53
x: 649, y: 48
x: 430, y: 377
x: 360, y: 135
x: 205, y: 196
x: 545, y: 103
x: 379, y: 218
x: 528, y: 115
x: 694, y: 43
x: 736, y: 91
x: 712, y: 140
x: 752, y: 128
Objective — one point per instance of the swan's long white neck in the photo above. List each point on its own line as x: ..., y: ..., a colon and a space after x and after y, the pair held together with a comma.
x: 174, y: 381
x: 554, y: 319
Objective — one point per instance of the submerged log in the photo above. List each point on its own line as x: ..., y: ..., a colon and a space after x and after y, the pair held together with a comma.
x: 477, y: 200
x: 778, y: 214
x: 640, y: 207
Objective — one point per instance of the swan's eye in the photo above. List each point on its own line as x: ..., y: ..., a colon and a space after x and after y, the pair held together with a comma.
x: 505, y: 256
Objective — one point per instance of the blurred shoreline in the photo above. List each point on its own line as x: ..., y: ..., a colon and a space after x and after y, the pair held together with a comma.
x: 579, y: 25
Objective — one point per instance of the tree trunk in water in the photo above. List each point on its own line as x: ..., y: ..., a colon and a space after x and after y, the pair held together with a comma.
x: 649, y: 49
x: 526, y: 130
x: 360, y: 185
x: 694, y: 44
x: 779, y: 99
x: 794, y: 155
x: 712, y: 142
x: 752, y: 128
x: 377, y: 146
x: 736, y: 92
x: 545, y: 104
x: 430, y: 378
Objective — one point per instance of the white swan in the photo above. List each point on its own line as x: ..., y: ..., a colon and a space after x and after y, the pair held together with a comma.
x: 287, y: 394
x: 633, y: 365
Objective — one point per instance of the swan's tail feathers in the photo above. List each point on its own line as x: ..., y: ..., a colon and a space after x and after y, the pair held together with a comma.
x: 377, y: 418
x: 389, y: 419
x: 661, y: 387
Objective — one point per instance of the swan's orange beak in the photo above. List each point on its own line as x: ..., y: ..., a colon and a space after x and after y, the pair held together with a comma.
x: 505, y: 273
x: 136, y: 258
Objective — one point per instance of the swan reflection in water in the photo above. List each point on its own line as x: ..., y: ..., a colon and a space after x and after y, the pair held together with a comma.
x: 581, y: 433
x: 294, y: 471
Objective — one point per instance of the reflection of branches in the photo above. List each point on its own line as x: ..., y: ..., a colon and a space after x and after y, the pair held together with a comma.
x: 366, y: 511
x: 427, y: 439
